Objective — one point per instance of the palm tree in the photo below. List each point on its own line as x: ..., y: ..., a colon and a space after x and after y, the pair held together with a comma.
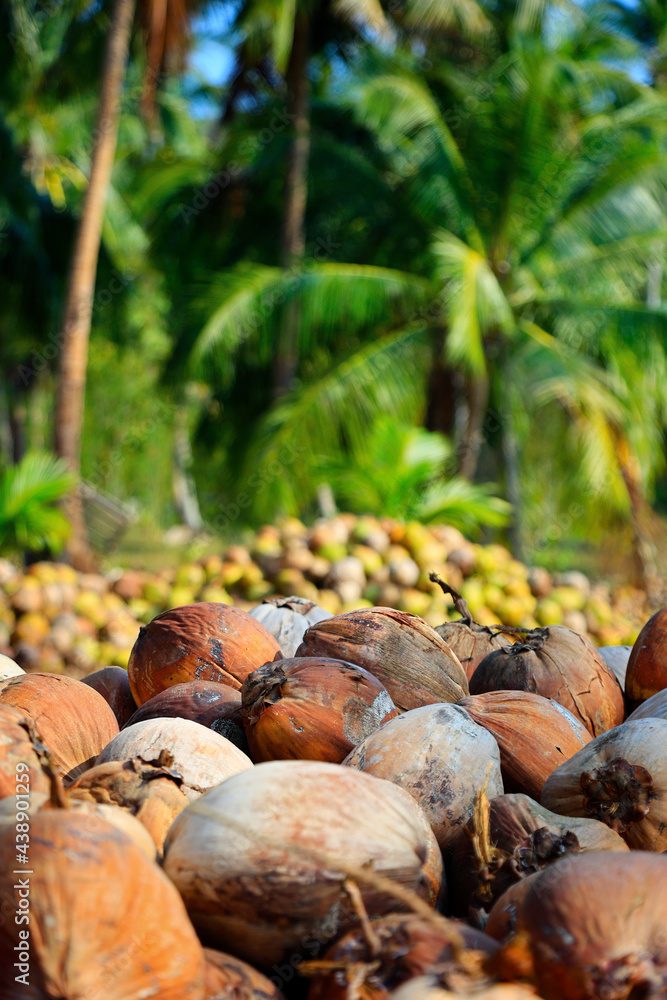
x: 75, y: 331
x: 289, y: 32
x: 542, y: 198
x: 165, y: 26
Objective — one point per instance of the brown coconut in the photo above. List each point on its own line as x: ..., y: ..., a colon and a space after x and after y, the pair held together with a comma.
x: 439, y: 755
x: 619, y: 778
x: 592, y: 926
x: 114, y: 686
x: 104, y: 920
x: 557, y: 663
x: 228, y: 978
x: 198, y: 642
x: 398, y: 948
x: 72, y: 719
x: 414, y: 663
x: 535, y: 735
x: 211, y: 704
x: 150, y: 791
x: 647, y: 666
x: 515, y: 838
x: 312, y: 708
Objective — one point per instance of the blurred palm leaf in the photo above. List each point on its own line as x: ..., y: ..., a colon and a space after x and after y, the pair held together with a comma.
x: 29, y: 519
x: 397, y: 470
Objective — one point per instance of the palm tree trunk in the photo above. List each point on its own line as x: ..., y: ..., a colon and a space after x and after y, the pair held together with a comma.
x: 441, y: 391
x: 75, y: 331
x: 472, y: 436
x: 510, y: 450
x: 293, y: 235
x: 644, y: 549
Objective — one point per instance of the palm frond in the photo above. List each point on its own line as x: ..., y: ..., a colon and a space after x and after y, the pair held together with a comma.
x: 464, y: 505
x: 28, y: 519
x: 475, y: 304
x: 435, y: 15
x: 331, y: 413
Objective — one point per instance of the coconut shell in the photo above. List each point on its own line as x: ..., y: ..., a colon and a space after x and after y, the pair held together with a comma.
x: 439, y: 755
x: 522, y: 837
x: 471, y: 642
x: 149, y: 791
x: 407, y: 946
x: 503, y: 922
x: 287, y: 618
x: 616, y: 658
x: 9, y: 668
x: 20, y: 761
x: 228, y: 978
x: 535, y: 735
x: 311, y: 708
x: 654, y: 707
x: 72, y: 719
x: 584, y: 942
x: 557, y: 663
x: 647, y: 666
x: 261, y: 860
x: 415, y: 665
x: 198, y: 642
x: 428, y: 988
x: 104, y: 920
x: 120, y: 818
x: 619, y: 778
x: 201, y: 757
x: 114, y: 686
x: 211, y: 704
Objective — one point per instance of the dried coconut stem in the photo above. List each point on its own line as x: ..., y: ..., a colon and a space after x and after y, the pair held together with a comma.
x: 372, y: 940
x: 487, y: 854
x: 460, y: 603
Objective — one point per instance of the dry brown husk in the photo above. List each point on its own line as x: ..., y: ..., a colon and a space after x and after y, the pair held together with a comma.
x: 374, y: 960
x: 104, y: 920
x: 261, y: 861
x: 439, y: 755
x: 72, y: 719
x: 619, y: 778
x: 149, y: 790
x: 228, y: 978
x: 312, y: 708
x: 535, y: 735
x: 593, y: 926
x: 20, y: 744
x: 558, y: 663
x: 522, y: 837
x: 414, y: 663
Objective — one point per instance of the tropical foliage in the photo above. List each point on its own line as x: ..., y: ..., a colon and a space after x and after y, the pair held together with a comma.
x: 474, y: 290
x: 29, y: 519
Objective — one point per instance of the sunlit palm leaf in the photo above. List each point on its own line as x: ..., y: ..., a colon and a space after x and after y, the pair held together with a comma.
x: 28, y: 519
